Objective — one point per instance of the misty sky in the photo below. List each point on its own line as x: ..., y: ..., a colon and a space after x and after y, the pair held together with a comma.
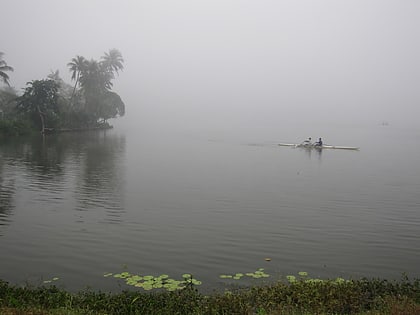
x: 242, y: 61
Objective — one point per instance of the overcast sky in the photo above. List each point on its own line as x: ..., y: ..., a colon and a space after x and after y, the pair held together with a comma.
x: 232, y: 60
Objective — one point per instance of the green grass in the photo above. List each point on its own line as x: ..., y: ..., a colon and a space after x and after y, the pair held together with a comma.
x: 299, y: 297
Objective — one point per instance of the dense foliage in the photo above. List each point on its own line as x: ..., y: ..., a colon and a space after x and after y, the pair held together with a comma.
x: 299, y: 297
x: 40, y: 100
x: 50, y: 104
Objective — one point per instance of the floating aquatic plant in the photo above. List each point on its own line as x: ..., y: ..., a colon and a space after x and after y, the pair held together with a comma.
x: 303, y: 276
x: 189, y: 280
x: 291, y: 278
x: 149, y: 282
x: 259, y: 273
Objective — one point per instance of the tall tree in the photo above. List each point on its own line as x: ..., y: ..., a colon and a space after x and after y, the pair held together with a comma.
x: 113, y: 61
x: 3, y: 68
x: 76, y: 66
x: 95, y: 79
x: 39, y: 100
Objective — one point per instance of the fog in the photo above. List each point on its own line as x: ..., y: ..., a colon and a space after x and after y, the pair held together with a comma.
x: 239, y: 64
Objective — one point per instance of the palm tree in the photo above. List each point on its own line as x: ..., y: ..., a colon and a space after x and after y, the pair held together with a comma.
x: 113, y: 61
x: 4, y: 67
x: 95, y: 81
x: 77, y: 66
x: 95, y: 78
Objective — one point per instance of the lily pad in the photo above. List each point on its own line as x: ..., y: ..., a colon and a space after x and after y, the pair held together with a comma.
x: 291, y: 278
x: 136, y: 278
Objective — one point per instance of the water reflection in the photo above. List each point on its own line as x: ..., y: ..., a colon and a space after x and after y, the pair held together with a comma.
x: 63, y: 172
x: 7, y: 192
x: 316, y: 152
x: 101, y: 180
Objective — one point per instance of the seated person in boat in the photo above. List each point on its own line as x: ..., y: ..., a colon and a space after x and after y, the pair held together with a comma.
x: 318, y: 143
x: 307, y: 142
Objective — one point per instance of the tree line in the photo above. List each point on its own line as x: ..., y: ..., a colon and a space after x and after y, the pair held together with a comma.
x: 51, y: 104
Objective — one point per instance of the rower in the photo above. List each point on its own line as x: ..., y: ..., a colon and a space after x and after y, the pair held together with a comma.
x: 319, y: 143
x: 307, y: 142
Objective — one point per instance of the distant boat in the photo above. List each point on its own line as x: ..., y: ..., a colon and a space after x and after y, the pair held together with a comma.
x: 319, y: 147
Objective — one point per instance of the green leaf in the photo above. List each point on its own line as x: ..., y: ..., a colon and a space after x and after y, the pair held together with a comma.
x: 136, y: 278
x: 291, y: 278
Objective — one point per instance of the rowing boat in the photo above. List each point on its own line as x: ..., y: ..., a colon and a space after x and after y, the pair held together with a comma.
x: 313, y: 146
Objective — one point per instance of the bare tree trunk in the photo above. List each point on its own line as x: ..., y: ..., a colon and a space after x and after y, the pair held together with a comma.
x: 74, y: 89
x: 41, y: 115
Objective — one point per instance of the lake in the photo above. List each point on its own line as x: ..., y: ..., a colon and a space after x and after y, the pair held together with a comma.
x: 209, y: 202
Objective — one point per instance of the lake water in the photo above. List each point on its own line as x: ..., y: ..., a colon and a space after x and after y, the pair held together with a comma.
x: 209, y: 202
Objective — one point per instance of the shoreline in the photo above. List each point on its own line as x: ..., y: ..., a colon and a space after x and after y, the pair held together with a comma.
x: 358, y: 297
x: 48, y: 131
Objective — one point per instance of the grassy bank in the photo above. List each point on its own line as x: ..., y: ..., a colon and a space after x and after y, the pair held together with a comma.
x: 365, y: 296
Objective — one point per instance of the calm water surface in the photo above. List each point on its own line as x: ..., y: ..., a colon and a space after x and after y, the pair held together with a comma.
x: 75, y: 206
